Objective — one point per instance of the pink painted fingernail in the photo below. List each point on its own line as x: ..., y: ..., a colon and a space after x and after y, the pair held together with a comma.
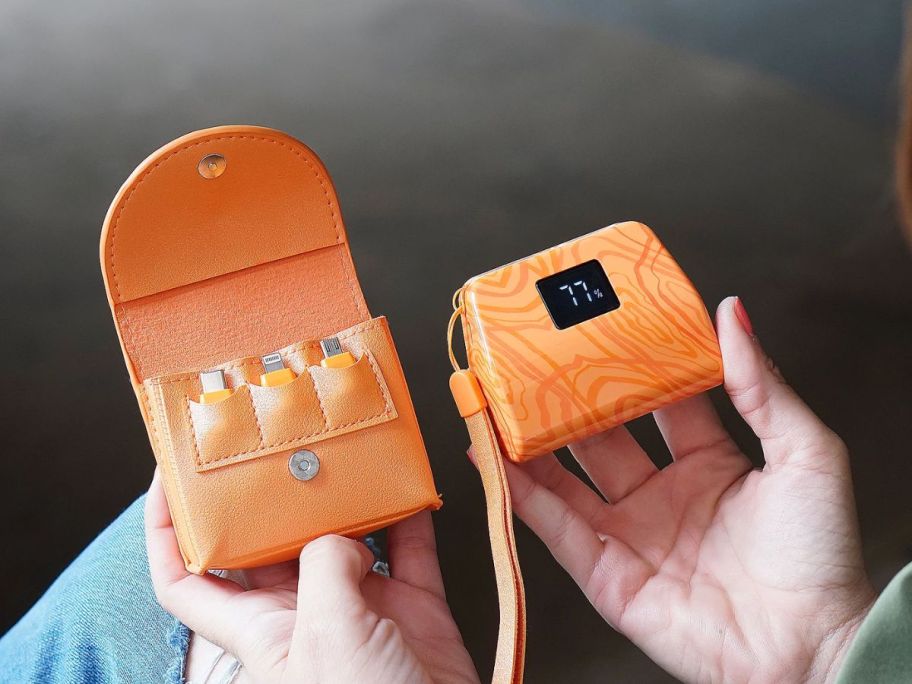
x: 743, y: 318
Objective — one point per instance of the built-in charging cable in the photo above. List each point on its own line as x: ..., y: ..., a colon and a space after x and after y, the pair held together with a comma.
x: 275, y: 373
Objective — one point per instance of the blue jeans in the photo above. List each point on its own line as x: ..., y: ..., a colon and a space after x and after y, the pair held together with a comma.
x: 99, y: 622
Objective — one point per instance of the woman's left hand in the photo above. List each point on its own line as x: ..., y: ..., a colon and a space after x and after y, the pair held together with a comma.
x: 326, y: 617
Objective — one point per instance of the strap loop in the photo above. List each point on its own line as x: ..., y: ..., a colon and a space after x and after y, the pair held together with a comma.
x: 457, y: 312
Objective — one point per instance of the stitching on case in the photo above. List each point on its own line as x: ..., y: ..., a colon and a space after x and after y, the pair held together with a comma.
x: 200, y: 462
x: 172, y: 463
x: 384, y: 390
x: 351, y: 286
x: 387, y: 410
x: 130, y: 338
x: 153, y: 424
x: 332, y: 213
x: 184, y: 148
x: 319, y: 400
x: 196, y: 452
x: 256, y: 418
x: 384, y: 412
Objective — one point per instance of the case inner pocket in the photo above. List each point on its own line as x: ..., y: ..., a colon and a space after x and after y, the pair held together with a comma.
x: 288, y: 412
x: 225, y: 429
x: 348, y: 392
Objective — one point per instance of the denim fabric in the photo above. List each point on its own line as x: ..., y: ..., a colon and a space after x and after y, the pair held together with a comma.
x: 99, y: 622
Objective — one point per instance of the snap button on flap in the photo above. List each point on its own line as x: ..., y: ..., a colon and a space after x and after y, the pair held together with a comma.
x: 212, y: 166
x: 304, y: 465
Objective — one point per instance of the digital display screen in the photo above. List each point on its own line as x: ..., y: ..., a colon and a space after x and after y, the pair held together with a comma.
x: 577, y: 294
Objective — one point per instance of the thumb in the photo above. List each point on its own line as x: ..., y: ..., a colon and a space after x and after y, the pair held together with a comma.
x: 787, y: 428
x: 329, y: 585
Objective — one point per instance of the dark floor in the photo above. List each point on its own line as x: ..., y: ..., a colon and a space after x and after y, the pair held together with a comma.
x: 755, y: 137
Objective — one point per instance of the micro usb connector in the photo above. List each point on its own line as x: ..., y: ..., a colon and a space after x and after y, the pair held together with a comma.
x: 333, y: 354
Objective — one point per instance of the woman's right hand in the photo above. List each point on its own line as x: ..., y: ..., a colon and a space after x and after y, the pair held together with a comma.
x: 719, y: 572
x: 325, y: 617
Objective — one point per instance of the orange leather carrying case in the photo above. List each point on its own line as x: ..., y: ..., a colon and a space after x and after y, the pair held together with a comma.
x: 534, y: 385
x: 211, y: 271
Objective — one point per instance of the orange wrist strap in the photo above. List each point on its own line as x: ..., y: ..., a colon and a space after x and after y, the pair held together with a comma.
x: 511, y: 640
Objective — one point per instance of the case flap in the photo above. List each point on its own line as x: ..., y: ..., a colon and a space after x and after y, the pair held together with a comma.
x: 201, y: 268
x: 171, y: 226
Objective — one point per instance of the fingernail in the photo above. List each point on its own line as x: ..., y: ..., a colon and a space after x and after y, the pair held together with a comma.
x: 471, y: 456
x: 743, y: 318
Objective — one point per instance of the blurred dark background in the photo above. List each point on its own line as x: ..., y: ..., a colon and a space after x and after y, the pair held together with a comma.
x: 754, y: 135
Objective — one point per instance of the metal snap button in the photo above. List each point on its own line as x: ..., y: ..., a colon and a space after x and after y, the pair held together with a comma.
x: 304, y: 465
x: 212, y: 166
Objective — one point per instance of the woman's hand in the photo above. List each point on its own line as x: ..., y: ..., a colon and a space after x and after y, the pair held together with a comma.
x: 326, y: 618
x: 717, y: 571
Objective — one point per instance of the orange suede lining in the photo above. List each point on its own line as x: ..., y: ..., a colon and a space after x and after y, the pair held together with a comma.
x: 251, y: 312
